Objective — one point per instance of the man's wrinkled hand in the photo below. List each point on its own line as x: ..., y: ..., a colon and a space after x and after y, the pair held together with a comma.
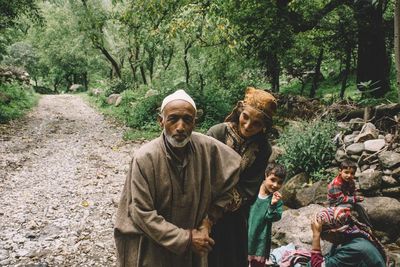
x: 201, y: 242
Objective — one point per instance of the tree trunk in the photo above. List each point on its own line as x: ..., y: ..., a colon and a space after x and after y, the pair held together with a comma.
x: 143, y: 73
x: 397, y: 43
x: 372, y: 61
x: 273, y: 70
x: 317, y: 74
x: 185, y: 59
x: 133, y: 58
x: 346, y: 72
x: 114, y: 63
x: 85, y: 80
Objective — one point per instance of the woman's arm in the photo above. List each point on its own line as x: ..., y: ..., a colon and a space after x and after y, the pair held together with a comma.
x: 316, y: 256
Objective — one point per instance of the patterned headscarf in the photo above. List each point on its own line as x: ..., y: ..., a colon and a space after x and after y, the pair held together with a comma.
x: 340, y: 220
x: 261, y: 100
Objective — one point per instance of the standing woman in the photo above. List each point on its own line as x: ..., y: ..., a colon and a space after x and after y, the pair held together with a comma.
x: 244, y: 130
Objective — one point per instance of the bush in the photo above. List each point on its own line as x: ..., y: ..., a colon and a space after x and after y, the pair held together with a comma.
x: 308, y: 147
x: 15, y: 100
x: 118, y: 86
x: 138, y: 110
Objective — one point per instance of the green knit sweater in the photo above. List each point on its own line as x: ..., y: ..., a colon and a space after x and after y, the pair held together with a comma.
x: 262, y: 214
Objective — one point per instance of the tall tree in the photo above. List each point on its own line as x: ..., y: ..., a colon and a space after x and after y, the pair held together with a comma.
x: 372, y: 59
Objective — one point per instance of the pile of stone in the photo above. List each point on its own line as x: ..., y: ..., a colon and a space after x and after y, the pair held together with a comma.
x: 377, y: 155
x: 10, y: 74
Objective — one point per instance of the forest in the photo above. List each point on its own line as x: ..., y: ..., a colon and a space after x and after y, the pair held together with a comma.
x: 326, y: 50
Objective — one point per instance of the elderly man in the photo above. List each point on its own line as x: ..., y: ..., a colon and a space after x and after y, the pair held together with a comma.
x: 174, y: 185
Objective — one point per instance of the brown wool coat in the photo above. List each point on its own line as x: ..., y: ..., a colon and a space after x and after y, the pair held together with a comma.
x: 157, y: 208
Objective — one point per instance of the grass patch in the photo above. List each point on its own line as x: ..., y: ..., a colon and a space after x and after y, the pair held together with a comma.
x: 15, y: 101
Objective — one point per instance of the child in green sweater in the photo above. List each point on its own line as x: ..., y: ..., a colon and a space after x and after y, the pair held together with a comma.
x: 265, y: 210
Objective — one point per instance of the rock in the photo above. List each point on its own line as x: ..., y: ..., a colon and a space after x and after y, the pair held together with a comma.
x: 112, y: 99
x: 355, y: 149
x: 387, y: 172
x: 290, y: 188
x: 315, y: 194
x: 22, y: 253
x: 384, y: 214
x: 355, y: 158
x: 276, y: 152
x: 389, y: 138
x: 118, y: 101
x: 294, y: 227
x: 76, y: 88
x: 389, y: 159
x: 391, y: 192
x: 3, y: 254
x: 374, y: 145
x: 349, y: 139
x: 364, y: 167
x: 356, y: 123
x: 31, y: 225
x: 96, y: 91
x: 5, y: 262
x: 389, y: 181
x: 367, y: 158
x: 151, y: 92
x: 344, y: 127
x: 368, y: 132
x: 369, y: 180
x: 340, y: 155
x: 396, y: 173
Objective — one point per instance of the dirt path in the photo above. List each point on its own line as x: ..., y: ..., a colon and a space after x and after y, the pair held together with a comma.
x: 61, y: 170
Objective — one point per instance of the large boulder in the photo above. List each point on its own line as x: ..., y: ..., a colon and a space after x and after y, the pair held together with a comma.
x: 315, y: 194
x: 294, y: 227
x: 368, y: 132
x: 355, y: 149
x: 290, y: 188
x: 389, y: 159
x: 384, y: 214
x: 369, y: 180
x: 112, y: 99
x: 76, y: 88
x: 374, y: 145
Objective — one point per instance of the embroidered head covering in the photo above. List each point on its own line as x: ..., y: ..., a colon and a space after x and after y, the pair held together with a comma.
x: 178, y: 95
x: 340, y: 220
x: 258, y: 99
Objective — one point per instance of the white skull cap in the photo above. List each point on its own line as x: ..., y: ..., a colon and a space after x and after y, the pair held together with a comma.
x: 178, y: 95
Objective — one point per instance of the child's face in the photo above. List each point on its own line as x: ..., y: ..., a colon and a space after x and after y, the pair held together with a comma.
x: 272, y: 183
x: 347, y: 174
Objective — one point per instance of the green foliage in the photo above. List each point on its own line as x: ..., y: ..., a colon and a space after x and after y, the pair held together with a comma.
x: 15, y: 100
x: 308, y: 147
x: 118, y: 86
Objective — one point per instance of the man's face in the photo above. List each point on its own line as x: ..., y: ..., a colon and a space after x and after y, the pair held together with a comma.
x: 178, y: 121
x: 347, y: 174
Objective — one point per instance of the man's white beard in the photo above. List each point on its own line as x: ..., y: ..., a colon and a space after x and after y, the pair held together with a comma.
x: 175, y: 143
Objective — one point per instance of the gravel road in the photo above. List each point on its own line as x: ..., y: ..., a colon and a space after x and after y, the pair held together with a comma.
x: 62, y: 168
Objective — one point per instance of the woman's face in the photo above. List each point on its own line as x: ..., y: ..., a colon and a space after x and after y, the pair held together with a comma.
x: 251, y: 122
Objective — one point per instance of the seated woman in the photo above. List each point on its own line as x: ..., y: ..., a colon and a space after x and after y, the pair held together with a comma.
x: 353, y: 242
